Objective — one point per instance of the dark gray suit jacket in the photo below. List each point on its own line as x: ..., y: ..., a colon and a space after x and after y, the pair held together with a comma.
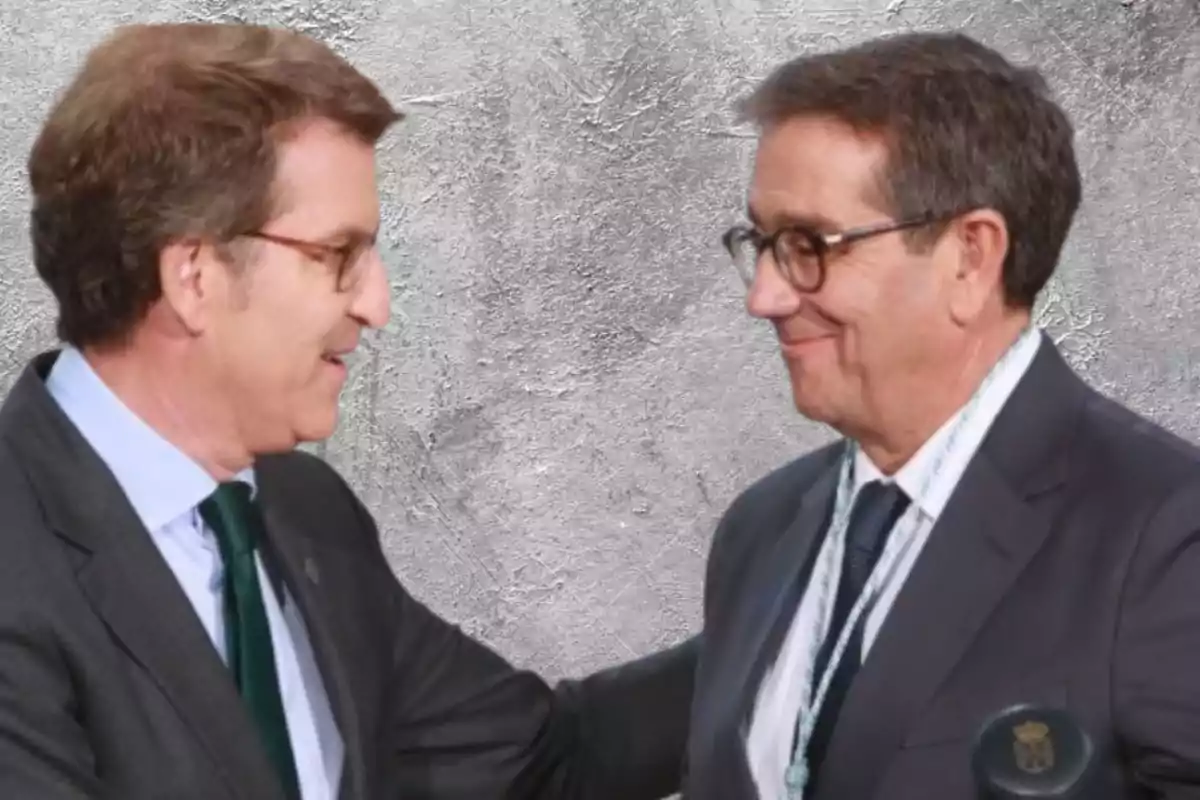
x: 1065, y: 570
x: 110, y: 687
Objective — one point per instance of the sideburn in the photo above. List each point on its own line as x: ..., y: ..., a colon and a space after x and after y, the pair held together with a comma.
x: 240, y: 258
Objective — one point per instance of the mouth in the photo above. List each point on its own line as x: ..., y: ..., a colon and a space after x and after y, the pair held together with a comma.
x: 798, y: 346
x: 337, y: 361
x: 789, y: 341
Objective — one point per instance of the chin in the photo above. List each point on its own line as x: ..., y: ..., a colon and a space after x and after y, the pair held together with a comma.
x: 811, y: 397
x: 815, y: 409
x: 317, y: 427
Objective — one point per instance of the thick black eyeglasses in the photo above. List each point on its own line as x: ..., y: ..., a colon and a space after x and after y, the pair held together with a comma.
x: 802, y: 254
x: 347, y: 261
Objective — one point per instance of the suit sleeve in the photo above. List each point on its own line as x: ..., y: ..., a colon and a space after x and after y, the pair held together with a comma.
x: 1156, y: 670
x: 464, y: 724
x: 627, y: 728
x: 44, y: 751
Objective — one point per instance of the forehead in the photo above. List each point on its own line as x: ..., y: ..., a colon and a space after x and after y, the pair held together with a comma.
x: 326, y: 182
x: 816, y: 171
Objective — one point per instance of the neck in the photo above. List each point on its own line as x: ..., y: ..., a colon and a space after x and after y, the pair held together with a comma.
x: 908, y: 427
x: 162, y: 383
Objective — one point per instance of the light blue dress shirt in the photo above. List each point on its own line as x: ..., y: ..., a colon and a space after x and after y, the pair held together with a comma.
x: 165, y: 488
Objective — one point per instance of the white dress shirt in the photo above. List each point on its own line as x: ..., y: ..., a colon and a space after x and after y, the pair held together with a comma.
x: 165, y: 488
x: 780, y: 695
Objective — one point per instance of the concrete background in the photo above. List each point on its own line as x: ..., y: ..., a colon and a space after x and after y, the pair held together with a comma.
x: 571, y: 394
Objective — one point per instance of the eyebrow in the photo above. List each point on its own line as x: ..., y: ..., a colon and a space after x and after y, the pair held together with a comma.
x: 814, y: 222
x: 350, y: 232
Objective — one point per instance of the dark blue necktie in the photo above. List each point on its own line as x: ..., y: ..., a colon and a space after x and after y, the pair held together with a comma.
x: 877, y: 508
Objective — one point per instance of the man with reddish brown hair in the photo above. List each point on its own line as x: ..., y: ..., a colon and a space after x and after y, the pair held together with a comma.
x: 190, y: 607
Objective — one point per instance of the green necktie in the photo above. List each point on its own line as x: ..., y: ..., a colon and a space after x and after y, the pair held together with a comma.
x: 235, y: 519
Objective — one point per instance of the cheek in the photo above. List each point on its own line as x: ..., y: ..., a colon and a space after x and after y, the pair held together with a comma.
x: 296, y: 392
x: 903, y: 325
x: 277, y: 354
x: 884, y: 309
x: 264, y: 377
x: 859, y: 306
x: 853, y: 292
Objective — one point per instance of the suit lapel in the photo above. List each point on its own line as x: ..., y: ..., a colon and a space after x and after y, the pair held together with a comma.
x: 146, y: 610
x: 775, y: 585
x: 987, y: 534
x: 978, y: 548
x: 305, y: 566
x: 131, y: 587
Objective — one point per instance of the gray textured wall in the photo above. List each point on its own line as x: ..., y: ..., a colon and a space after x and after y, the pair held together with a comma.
x: 570, y: 393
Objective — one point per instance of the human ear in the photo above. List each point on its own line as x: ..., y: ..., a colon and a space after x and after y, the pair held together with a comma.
x: 981, y: 245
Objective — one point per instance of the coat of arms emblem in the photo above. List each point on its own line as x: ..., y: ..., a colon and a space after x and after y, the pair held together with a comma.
x: 1033, y: 748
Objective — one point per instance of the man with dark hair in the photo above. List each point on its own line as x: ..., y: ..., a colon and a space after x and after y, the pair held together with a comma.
x: 987, y: 530
x: 189, y: 607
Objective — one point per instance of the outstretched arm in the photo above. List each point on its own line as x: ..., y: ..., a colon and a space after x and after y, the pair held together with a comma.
x: 464, y: 723
x: 461, y: 723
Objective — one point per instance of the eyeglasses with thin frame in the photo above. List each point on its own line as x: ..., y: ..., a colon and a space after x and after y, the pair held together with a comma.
x: 346, y: 261
x: 801, y: 254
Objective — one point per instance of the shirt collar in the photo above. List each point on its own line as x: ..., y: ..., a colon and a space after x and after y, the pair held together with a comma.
x: 912, y: 476
x: 161, y: 482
